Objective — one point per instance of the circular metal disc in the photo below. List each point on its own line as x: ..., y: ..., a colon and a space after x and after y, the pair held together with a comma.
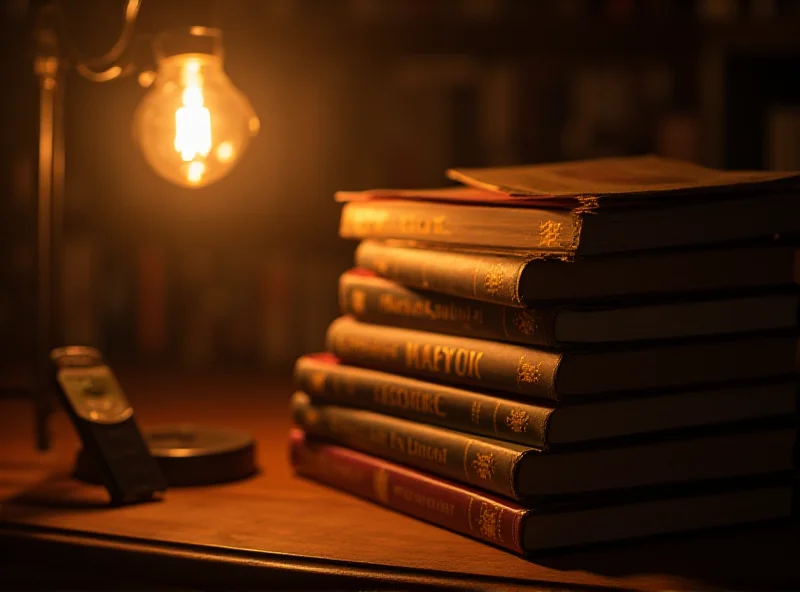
x: 191, y: 455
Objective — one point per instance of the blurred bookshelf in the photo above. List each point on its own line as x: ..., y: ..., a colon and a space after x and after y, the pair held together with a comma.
x: 356, y: 94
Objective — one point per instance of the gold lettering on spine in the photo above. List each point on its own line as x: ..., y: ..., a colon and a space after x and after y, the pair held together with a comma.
x: 450, y: 312
x: 460, y: 365
x: 413, y: 224
x: 475, y: 414
x: 448, y: 359
x: 441, y: 359
x: 390, y: 395
x: 414, y: 447
x: 352, y: 344
x: 366, y: 222
x: 419, y: 498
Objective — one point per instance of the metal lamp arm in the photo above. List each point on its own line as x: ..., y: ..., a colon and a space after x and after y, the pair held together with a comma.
x: 104, y: 68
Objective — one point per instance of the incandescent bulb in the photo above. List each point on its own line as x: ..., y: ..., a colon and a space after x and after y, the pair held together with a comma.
x: 193, y: 124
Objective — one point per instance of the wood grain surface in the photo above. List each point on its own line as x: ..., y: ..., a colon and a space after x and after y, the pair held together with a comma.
x: 276, y: 519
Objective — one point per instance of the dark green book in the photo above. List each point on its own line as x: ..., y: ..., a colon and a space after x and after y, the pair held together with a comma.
x: 527, y: 279
x: 491, y: 365
x: 521, y: 472
x: 373, y: 299
x: 536, y: 424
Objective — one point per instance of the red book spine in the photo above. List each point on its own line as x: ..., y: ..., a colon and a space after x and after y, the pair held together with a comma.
x: 410, y: 492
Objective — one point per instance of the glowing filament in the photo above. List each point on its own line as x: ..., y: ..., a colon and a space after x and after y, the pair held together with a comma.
x: 193, y: 119
x: 195, y: 171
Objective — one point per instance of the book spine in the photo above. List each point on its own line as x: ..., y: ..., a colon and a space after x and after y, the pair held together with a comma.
x: 488, y: 278
x: 427, y: 402
x: 382, y: 302
x: 409, y: 492
x: 486, y: 464
x: 487, y: 365
x: 551, y: 231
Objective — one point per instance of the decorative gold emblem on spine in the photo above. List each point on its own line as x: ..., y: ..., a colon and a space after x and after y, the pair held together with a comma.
x: 380, y: 483
x: 549, y: 233
x: 493, y: 281
x: 525, y: 322
x: 484, y: 465
x: 476, y: 412
x: 527, y: 372
x: 517, y: 420
x: 358, y: 301
x: 317, y: 380
x: 488, y: 521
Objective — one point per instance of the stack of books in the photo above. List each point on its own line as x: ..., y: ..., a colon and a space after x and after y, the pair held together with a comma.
x: 564, y: 354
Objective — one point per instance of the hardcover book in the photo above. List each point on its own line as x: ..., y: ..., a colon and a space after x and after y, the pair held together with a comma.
x: 521, y: 472
x: 532, y: 372
x: 606, y: 182
x: 537, y: 424
x: 528, y: 280
x: 521, y: 529
x: 565, y: 233
x: 376, y: 300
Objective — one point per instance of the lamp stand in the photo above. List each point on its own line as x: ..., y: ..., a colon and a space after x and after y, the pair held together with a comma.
x: 49, y: 70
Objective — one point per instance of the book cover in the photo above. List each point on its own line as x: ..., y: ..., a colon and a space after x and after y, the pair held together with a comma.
x: 521, y: 280
x: 523, y: 529
x: 584, y: 231
x: 372, y: 299
x: 560, y: 375
x: 539, y: 424
x: 524, y: 473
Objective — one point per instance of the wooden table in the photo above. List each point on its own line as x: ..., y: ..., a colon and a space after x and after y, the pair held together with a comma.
x: 280, y: 531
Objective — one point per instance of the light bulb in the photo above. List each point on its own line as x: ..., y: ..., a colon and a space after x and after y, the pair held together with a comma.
x: 193, y: 124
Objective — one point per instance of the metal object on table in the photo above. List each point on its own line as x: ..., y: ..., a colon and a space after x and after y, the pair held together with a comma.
x: 191, y: 455
x: 106, y: 425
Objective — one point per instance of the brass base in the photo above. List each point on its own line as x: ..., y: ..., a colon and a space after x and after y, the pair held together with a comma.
x: 190, y: 456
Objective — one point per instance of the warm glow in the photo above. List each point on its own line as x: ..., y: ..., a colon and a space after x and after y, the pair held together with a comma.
x: 193, y: 124
x: 193, y: 119
x: 225, y: 151
x: 195, y: 171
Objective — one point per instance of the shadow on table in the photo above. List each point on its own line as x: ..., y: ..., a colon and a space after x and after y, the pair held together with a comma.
x: 763, y: 555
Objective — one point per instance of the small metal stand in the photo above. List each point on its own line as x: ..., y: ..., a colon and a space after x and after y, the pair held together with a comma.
x: 190, y: 455
x: 49, y: 70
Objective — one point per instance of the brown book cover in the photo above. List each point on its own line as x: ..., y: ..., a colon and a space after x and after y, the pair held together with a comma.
x: 372, y: 299
x: 521, y: 472
x: 539, y: 424
x: 524, y: 529
x: 560, y: 375
x: 528, y: 280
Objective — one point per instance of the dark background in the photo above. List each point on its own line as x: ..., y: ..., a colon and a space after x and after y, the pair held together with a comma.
x: 356, y: 94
